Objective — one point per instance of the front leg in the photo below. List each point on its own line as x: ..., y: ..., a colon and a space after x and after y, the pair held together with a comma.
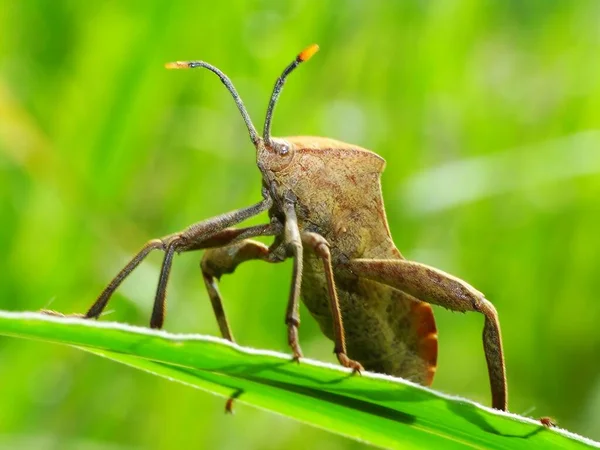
x: 434, y: 286
x: 185, y: 240
x: 293, y: 244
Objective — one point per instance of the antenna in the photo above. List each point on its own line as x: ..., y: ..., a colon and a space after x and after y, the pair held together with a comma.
x: 304, y: 55
x: 228, y: 84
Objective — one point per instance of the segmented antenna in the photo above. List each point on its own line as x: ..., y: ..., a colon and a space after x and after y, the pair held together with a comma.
x: 304, y: 55
x: 228, y: 84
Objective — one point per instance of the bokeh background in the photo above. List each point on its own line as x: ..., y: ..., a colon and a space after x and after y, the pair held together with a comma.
x: 488, y: 114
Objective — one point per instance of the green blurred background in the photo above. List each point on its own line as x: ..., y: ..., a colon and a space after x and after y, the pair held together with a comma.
x: 488, y: 114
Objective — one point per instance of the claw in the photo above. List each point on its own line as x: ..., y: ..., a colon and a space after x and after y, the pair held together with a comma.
x: 229, y: 402
x: 229, y: 405
x: 293, y: 338
x: 350, y: 363
x: 297, y: 356
x: 357, y: 368
x: 548, y: 422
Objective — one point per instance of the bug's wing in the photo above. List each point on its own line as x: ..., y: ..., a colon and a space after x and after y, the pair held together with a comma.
x: 386, y: 330
x: 404, y: 342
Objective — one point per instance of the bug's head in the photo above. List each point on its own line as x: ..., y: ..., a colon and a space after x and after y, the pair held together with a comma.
x: 272, y: 154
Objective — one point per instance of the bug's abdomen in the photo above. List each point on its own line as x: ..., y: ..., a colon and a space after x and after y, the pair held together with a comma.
x: 386, y: 330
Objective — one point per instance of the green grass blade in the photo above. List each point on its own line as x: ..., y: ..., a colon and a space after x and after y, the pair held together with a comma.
x: 382, y: 411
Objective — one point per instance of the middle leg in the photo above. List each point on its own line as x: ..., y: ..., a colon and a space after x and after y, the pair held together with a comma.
x: 293, y: 246
x: 439, y: 288
x: 224, y: 260
x: 320, y: 246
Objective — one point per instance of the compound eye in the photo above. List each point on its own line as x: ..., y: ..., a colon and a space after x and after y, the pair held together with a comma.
x: 284, y: 149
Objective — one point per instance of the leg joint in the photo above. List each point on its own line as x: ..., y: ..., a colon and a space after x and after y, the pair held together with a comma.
x: 294, y: 247
x: 208, y: 269
x: 485, y: 307
x: 317, y: 243
x: 322, y: 249
x: 292, y: 321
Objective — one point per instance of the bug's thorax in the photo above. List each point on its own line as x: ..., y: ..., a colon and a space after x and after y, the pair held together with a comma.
x: 336, y: 188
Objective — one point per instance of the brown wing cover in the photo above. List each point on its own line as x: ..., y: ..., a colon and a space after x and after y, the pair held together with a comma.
x: 414, y: 345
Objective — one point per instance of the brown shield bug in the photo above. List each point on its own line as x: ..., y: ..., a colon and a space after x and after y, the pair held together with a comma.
x: 326, y: 212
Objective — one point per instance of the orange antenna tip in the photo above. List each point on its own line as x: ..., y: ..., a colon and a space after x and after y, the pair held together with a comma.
x: 308, y: 52
x: 177, y: 65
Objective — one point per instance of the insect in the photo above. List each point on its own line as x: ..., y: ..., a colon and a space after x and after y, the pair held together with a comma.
x: 324, y: 201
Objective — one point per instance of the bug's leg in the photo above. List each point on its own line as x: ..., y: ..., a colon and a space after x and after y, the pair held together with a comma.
x: 321, y: 248
x: 293, y: 244
x: 217, y: 262
x: 224, y: 260
x: 193, y: 234
x: 102, y: 300
x: 434, y: 286
x: 229, y: 403
x: 547, y: 422
x: 195, y: 238
x: 229, y: 236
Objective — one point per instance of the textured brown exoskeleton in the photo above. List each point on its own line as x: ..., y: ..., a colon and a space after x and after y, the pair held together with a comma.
x: 326, y: 212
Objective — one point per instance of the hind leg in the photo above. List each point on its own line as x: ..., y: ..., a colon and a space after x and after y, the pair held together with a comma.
x: 439, y: 288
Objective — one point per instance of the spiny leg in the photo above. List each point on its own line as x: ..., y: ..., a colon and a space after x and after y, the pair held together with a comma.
x: 193, y: 239
x: 293, y: 245
x: 229, y: 236
x: 102, y: 300
x: 321, y: 248
x: 434, y: 286
x: 217, y: 262
x: 201, y: 230
x: 224, y: 260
